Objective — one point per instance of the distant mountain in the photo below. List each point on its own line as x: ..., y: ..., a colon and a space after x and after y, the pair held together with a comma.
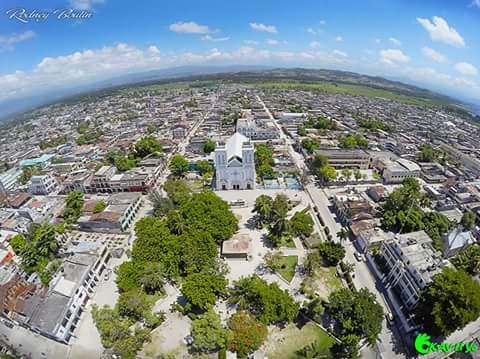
x: 239, y: 73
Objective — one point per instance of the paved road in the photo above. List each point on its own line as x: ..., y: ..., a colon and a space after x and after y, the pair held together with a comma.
x: 363, y: 278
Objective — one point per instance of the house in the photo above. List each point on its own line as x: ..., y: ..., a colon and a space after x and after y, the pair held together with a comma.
x: 121, y: 210
x: 377, y: 193
x: 456, y: 241
x: 239, y: 246
x: 179, y: 130
x: 343, y: 158
x: 43, y: 185
x: 235, y: 164
x: 398, y: 171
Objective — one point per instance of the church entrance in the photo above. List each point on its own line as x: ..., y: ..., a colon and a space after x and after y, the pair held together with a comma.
x: 248, y: 186
x: 236, y: 186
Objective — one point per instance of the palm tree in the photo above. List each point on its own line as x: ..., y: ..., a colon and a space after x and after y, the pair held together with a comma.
x: 263, y: 208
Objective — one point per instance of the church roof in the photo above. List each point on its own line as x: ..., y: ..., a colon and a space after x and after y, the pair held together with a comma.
x: 234, y: 145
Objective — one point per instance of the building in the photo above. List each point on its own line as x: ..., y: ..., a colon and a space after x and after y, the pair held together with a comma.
x: 398, y: 171
x: 56, y: 313
x: 42, y: 161
x: 43, y: 185
x: 8, y: 179
x: 121, y: 210
x: 179, y: 130
x: 239, y: 246
x: 257, y: 129
x: 235, y: 164
x: 340, y: 158
x: 411, y: 263
x: 466, y: 160
x: 101, y: 179
x: 350, y: 205
x: 456, y: 241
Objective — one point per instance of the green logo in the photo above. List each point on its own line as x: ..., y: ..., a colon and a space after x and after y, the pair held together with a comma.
x: 423, y: 345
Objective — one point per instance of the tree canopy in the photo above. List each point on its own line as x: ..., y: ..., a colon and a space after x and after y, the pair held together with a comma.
x: 179, y: 165
x: 302, y: 224
x: 331, y: 252
x: 355, y: 312
x: 264, y: 161
x: 468, y: 260
x: 468, y: 220
x: 208, y: 332
x: 209, y: 146
x: 146, y: 146
x: 449, y: 302
x: 74, y: 202
x: 201, y: 290
x: 248, y: 333
x: 266, y: 301
x: 177, y: 190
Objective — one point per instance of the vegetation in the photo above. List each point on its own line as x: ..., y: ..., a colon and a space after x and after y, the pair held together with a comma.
x: 208, y: 333
x: 147, y: 146
x: 74, y: 202
x: 331, y: 252
x: 264, y: 161
x: 373, y: 125
x: 27, y: 173
x: 263, y: 209
x: 162, y: 206
x: 323, y: 170
x: 177, y: 190
x: 53, y: 142
x: 347, y: 348
x: 356, y: 313
x: 310, y: 144
x: 99, y: 206
x: 248, y: 334
x: 179, y: 165
x: 89, y: 137
x: 353, y: 141
x: 321, y: 123
x: 301, y: 224
x: 284, y: 265
x: 468, y: 260
x: 427, y: 153
x: 449, y: 302
x: 201, y: 290
x: 209, y: 146
x: 267, y: 302
x: 205, y: 168
x: 468, y: 220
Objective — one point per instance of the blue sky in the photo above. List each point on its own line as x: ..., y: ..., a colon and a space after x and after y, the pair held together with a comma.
x: 433, y: 43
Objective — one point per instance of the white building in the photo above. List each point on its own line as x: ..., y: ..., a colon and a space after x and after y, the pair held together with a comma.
x: 235, y: 164
x: 398, y: 171
x: 43, y: 185
x: 257, y: 129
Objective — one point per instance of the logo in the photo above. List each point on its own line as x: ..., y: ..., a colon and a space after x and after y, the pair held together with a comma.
x: 423, y: 345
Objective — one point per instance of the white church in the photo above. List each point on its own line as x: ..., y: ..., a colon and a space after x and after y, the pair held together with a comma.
x: 235, y: 164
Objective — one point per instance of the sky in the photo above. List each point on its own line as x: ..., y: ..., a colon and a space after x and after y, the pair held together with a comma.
x: 62, y: 44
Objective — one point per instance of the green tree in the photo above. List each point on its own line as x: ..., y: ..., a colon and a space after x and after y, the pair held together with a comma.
x: 331, y: 252
x: 426, y: 154
x: 357, y: 175
x: 202, y: 252
x: 207, y: 212
x: 179, y: 165
x: 123, y: 163
x: 449, y: 302
x: 204, y: 167
x: 263, y: 161
x: 128, y: 275
x: 301, y: 131
x: 346, y: 173
x: 468, y: 220
x: 355, y: 312
x: 266, y: 301
x: 177, y: 190
x: 263, y: 208
x: 342, y: 235
x: 162, y: 206
x: 146, y: 146
x: 208, y: 333
x: 74, y: 202
x: 248, y: 333
x: 209, y: 146
x: 327, y: 173
x: 310, y: 144
x: 347, y: 348
x: 99, y: 206
x: 27, y: 173
x: 302, y: 223
x: 134, y: 304
x: 201, y: 290
x: 467, y: 260
x: 152, y: 279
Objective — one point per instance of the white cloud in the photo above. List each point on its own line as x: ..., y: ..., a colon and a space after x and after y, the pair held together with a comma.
x: 466, y: 69
x: 312, y: 31
x: 315, y: 45
x: 251, y: 42
x: 377, y: 41
x: 439, y: 30
x: 8, y: 41
x: 339, y: 39
x: 395, y: 41
x: 190, y: 27
x: 323, y: 22
x: 390, y: 56
x: 340, y: 53
x: 272, y: 42
x: 475, y: 3
x: 214, y: 39
x: 434, y: 55
x: 84, y: 4
x: 262, y: 27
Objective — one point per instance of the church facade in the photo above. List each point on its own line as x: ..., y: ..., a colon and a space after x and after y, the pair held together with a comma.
x: 235, y: 164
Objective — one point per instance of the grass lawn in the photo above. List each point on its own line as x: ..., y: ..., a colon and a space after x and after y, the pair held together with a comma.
x: 283, y: 344
x: 322, y: 282
x: 287, y: 266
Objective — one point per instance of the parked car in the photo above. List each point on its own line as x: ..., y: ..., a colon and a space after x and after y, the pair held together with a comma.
x: 358, y: 256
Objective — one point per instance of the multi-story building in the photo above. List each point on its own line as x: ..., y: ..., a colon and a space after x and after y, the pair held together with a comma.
x: 257, y: 129
x: 398, y: 171
x: 8, y: 179
x: 411, y: 263
x: 43, y: 185
x: 464, y: 159
x: 235, y: 164
x: 101, y: 179
x: 340, y: 158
